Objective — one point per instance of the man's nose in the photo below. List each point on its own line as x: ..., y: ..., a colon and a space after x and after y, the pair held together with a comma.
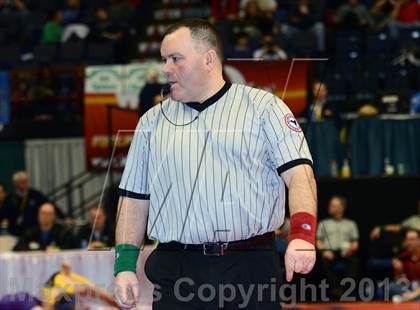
x: 167, y: 69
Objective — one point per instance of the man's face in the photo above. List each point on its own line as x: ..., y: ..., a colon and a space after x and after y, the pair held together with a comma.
x: 46, y: 214
x: 100, y: 218
x: 412, y: 241
x: 320, y: 91
x: 184, y: 66
x: 22, y: 184
x: 335, y: 208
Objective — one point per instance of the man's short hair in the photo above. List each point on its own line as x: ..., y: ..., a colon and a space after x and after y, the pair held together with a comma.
x: 341, y: 199
x: 201, y: 31
x: 19, y: 175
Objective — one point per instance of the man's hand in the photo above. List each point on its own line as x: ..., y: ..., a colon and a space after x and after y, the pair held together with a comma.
x: 126, y: 289
x: 300, y: 257
x: 375, y: 233
x: 328, y: 255
x: 96, y: 245
x: 397, y: 265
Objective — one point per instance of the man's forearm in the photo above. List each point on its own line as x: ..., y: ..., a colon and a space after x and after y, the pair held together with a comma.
x: 131, y: 221
x: 302, y: 191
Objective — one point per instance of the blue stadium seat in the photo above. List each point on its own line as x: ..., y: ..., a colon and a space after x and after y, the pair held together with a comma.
x: 378, y: 65
x: 304, y: 43
x: 409, y: 36
x: 399, y: 78
x: 100, y: 53
x: 348, y: 41
x: 45, y: 54
x: 337, y: 86
x: 349, y: 64
x: 72, y: 52
x: 378, y: 42
x: 9, y: 56
x: 35, y: 18
x: 363, y: 87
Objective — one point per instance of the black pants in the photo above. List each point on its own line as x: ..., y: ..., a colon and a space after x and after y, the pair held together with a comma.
x: 186, y: 279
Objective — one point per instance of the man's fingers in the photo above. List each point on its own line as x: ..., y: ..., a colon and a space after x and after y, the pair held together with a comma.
x: 135, y: 290
x: 290, y: 266
x: 299, y: 265
x: 127, y: 295
x: 309, y: 264
x: 120, y: 295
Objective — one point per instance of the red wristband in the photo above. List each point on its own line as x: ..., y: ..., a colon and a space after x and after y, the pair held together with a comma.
x: 303, y: 226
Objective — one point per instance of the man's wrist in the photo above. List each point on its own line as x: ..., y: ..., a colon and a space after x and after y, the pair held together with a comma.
x: 303, y: 226
x: 126, y: 256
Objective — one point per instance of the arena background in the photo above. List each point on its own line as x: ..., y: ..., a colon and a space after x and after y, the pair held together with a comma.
x: 71, y: 75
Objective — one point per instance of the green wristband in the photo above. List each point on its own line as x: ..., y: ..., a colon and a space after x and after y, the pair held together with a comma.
x: 126, y: 256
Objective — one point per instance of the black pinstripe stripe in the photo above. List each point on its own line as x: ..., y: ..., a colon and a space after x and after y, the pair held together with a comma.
x: 230, y: 187
x: 221, y: 200
x: 239, y: 206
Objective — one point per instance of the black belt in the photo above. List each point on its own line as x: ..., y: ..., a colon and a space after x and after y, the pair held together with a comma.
x: 221, y: 248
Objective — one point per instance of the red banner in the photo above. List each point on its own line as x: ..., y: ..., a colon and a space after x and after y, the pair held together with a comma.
x: 286, y: 79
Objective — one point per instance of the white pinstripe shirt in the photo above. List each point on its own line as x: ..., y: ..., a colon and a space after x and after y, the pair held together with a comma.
x: 217, y: 178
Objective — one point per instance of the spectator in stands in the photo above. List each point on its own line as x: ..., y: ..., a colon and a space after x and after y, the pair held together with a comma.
x: 53, y: 29
x: 120, y: 10
x: 406, y: 269
x: 270, y: 50
x: 21, y: 205
x: 319, y: 107
x: 104, y: 29
x: 406, y: 15
x: 96, y: 231
x: 338, y: 241
x: 254, y: 21
x: 353, y: 14
x: 242, y: 47
x: 415, y: 103
x: 71, y: 12
x: 412, y: 222
x: 225, y: 9
x: 15, y: 7
x: 48, y: 235
x: 306, y: 16
x: 382, y: 12
x: 268, y: 7
x: 150, y: 90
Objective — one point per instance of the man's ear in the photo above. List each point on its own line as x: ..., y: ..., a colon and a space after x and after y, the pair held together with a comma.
x: 210, y: 59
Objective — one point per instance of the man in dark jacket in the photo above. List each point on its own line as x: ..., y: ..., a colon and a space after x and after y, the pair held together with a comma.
x: 48, y: 235
x: 20, y: 208
x: 95, y: 234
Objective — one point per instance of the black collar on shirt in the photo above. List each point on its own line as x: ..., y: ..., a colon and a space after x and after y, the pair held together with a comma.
x: 206, y: 103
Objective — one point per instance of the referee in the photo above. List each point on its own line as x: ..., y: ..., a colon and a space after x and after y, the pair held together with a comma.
x: 206, y: 174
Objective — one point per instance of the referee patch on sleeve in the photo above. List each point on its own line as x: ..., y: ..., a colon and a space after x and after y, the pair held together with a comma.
x: 292, y: 123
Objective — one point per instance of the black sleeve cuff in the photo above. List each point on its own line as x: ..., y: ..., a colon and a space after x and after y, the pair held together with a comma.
x: 126, y: 193
x: 293, y: 163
